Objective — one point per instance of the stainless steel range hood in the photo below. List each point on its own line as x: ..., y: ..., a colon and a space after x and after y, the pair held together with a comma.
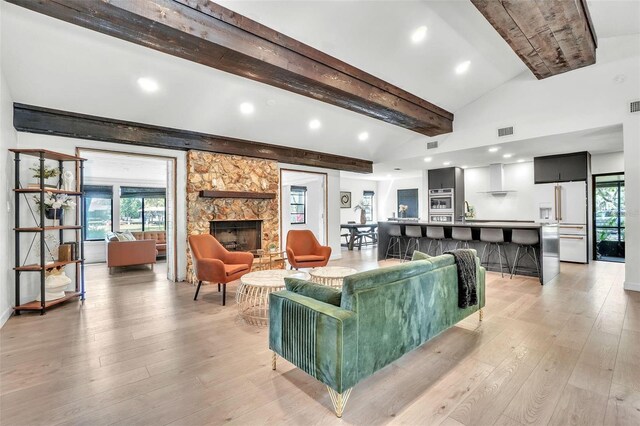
x: 496, y: 180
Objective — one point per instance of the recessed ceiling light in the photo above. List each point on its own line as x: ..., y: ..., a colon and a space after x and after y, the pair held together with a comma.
x: 463, y: 67
x: 419, y: 34
x: 363, y: 136
x: 464, y: 167
x: 148, y: 84
x: 247, y: 108
x: 507, y: 156
x: 446, y: 163
x: 494, y: 149
x: 397, y: 168
x: 315, y: 124
x: 521, y: 160
x: 427, y: 159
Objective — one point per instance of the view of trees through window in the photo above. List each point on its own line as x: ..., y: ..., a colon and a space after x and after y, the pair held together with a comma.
x: 142, y: 214
x: 98, y: 210
x: 610, y: 218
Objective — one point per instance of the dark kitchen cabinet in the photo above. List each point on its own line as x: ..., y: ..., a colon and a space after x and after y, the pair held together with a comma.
x: 562, y: 168
x: 442, y: 178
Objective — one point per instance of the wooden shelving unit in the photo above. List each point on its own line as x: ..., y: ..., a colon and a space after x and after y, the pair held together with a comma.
x: 41, y: 229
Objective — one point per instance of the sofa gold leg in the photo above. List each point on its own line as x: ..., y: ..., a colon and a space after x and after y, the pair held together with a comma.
x: 339, y: 400
x: 274, y: 357
x: 481, y: 312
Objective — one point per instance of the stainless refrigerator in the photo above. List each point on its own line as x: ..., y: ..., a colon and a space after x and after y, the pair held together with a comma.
x: 566, y: 204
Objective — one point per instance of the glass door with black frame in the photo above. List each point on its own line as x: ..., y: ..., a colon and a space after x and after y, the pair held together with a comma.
x: 609, y: 217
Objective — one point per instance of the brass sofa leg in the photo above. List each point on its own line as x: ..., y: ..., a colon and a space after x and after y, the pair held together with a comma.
x: 339, y: 400
x: 274, y: 357
x: 481, y: 312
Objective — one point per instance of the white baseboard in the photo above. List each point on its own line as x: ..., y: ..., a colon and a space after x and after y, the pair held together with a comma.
x: 628, y: 285
x: 5, y: 316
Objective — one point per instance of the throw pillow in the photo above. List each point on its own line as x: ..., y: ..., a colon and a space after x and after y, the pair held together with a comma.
x: 129, y: 236
x: 319, y: 292
x: 418, y: 255
x: 121, y: 237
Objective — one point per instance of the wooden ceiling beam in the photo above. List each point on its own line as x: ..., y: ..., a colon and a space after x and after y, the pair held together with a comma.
x: 551, y: 37
x: 46, y: 121
x: 209, y: 34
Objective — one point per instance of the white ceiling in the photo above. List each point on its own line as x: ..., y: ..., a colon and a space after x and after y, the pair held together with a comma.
x: 54, y: 64
x: 103, y: 167
x: 596, y: 141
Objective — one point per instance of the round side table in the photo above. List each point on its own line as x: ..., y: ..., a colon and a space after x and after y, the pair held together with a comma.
x: 330, y: 275
x: 252, y: 296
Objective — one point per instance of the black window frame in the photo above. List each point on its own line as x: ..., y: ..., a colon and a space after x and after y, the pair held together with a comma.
x: 368, y: 210
x: 142, y: 193
x: 303, y: 190
x: 86, y: 196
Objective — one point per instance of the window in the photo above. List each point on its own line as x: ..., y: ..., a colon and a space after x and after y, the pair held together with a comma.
x: 98, y: 212
x: 367, y: 201
x: 142, y: 209
x: 298, y: 205
x: 609, y: 217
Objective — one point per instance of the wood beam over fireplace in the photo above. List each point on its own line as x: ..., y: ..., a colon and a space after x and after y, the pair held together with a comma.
x: 207, y: 33
x: 32, y: 119
x: 551, y: 37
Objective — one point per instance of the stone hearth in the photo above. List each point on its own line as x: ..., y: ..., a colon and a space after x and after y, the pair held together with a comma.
x: 209, y: 171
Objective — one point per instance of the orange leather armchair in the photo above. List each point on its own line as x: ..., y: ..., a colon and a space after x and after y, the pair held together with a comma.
x: 304, y: 251
x: 213, y: 263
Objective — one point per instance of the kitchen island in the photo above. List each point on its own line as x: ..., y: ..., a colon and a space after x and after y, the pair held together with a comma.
x: 547, y: 250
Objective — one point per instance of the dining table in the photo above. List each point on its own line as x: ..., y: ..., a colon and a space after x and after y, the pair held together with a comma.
x: 356, y: 230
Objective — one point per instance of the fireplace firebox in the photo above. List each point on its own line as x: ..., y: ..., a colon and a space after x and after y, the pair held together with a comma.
x: 237, y: 235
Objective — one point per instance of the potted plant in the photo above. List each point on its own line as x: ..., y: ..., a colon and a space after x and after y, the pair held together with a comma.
x: 363, y: 212
x: 54, y: 204
x: 402, y: 210
x: 47, y: 173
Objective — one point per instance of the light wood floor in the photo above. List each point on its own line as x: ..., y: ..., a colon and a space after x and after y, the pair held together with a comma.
x: 141, y: 351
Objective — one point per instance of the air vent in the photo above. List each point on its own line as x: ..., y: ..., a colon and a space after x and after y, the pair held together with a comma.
x: 432, y: 145
x: 634, y: 106
x: 505, y: 131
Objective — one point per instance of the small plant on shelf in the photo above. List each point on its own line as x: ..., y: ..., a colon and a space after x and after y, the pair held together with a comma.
x: 47, y: 173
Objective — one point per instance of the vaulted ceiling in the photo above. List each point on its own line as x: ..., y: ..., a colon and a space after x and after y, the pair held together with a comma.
x: 58, y: 65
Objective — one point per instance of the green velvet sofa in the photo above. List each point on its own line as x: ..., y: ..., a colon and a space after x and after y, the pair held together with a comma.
x: 340, y: 338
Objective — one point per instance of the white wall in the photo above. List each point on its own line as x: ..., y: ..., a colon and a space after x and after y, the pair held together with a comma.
x: 7, y: 140
x: 607, y: 163
x: 315, y: 209
x: 518, y: 205
x: 631, y: 132
x: 356, y: 187
x: 388, y: 196
x: 69, y: 145
x: 333, y: 204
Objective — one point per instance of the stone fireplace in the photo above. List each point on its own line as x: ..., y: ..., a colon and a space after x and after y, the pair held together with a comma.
x: 208, y: 171
x: 238, y: 235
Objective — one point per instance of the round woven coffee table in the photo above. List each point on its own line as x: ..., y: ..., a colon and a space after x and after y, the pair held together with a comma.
x: 252, y: 296
x: 331, y: 275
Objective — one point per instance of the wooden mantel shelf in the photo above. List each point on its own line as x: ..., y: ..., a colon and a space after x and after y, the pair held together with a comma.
x: 238, y: 194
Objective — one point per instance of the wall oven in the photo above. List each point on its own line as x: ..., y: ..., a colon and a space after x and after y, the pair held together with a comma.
x: 441, y: 205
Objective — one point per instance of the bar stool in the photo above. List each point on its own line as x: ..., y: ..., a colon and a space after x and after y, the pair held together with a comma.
x: 494, y: 239
x: 526, y: 239
x: 414, y: 233
x: 461, y: 236
x: 395, y: 241
x: 435, y: 233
